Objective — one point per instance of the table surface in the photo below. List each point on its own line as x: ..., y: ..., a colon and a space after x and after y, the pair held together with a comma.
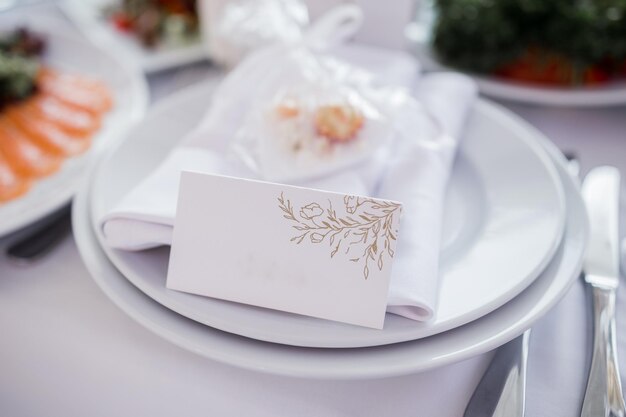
x: 66, y: 350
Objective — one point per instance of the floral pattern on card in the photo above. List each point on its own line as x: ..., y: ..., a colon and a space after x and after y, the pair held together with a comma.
x: 365, y: 230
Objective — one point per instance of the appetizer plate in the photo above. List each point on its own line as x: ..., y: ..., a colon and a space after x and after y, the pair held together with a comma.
x: 70, y: 52
x: 610, y: 94
x: 87, y: 15
x: 504, y: 199
x: 472, y: 339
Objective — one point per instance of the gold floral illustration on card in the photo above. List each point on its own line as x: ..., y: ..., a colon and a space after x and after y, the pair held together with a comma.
x: 364, y: 231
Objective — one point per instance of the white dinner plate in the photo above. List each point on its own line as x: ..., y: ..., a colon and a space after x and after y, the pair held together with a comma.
x: 610, y: 94
x: 69, y: 51
x: 505, y: 199
x: 87, y: 15
x: 472, y: 339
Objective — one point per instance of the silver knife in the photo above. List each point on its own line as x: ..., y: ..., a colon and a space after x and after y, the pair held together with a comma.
x: 600, y: 191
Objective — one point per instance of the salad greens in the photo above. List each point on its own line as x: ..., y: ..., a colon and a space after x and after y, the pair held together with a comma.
x: 567, y: 37
x: 19, y: 64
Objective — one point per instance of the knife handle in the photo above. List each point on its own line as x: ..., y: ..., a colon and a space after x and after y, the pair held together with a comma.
x: 502, y: 390
x: 603, y: 396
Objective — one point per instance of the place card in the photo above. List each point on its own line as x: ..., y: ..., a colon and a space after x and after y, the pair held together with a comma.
x: 294, y: 249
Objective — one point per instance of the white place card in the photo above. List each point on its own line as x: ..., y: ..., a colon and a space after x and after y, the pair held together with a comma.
x: 305, y: 251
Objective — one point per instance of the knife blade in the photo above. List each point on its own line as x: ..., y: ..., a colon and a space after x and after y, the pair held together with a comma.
x: 600, y: 190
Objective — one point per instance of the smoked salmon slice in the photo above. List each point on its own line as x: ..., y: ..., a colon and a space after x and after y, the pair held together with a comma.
x: 27, y: 159
x: 47, y: 135
x: 76, y: 91
x: 73, y: 121
x: 11, y: 185
x: 49, y: 75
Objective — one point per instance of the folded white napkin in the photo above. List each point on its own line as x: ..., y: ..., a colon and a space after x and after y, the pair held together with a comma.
x: 414, y: 171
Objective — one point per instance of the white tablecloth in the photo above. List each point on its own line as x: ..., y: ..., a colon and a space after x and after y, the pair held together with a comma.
x: 66, y: 350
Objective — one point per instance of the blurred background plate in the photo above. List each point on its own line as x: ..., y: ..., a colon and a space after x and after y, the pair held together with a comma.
x: 419, y: 34
x: 87, y: 15
x: 68, y: 51
x: 611, y: 94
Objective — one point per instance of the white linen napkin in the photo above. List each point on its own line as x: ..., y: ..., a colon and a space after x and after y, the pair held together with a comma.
x: 414, y: 172
x: 417, y: 176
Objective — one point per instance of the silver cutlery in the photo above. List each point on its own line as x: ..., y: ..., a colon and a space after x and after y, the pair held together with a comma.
x: 39, y: 239
x: 600, y: 190
x: 502, y: 390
